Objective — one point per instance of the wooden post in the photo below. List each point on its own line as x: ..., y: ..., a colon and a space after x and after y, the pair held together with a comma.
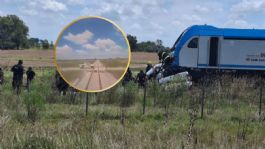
x: 260, y: 96
x: 86, y: 103
x: 144, y: 101
x: 202, y: 101
x: 203, y: 96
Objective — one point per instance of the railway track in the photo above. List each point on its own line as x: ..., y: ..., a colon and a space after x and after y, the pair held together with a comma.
x: 95, y: 73
x: 99, y: 78
x: 96, y: 78
x: 89, y: 80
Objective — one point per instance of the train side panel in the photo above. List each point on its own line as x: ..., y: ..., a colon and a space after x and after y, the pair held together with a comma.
x: 242, y: 54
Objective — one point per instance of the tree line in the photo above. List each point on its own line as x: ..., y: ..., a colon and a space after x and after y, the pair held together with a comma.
x: 145, y: 46
x: 14, y: 35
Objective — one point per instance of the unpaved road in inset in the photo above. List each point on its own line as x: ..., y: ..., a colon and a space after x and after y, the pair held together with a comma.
x: 96, y: 78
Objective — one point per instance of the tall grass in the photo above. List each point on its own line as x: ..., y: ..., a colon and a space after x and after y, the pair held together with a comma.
x: 230, y: 119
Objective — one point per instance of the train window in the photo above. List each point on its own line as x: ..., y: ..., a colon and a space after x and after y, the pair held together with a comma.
x: 193, y: 43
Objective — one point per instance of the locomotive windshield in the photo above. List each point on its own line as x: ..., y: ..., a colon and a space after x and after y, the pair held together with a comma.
x: 175, y: 44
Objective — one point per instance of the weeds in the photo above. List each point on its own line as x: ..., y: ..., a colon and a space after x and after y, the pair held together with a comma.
x: 116, y: 120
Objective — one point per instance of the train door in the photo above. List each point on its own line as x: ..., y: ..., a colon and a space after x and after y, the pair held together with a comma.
x: 213, y: 55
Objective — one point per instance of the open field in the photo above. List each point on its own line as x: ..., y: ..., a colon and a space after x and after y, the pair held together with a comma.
x: 140, y: 59
x: 44, y: 58
x: 33, y: 58
x: 42, y: 118
x: 92, y: 74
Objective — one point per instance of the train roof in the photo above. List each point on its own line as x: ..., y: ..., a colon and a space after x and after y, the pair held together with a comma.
x: 207, y: 30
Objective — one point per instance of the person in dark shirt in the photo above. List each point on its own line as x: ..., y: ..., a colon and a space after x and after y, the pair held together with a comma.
x: 30, y: 75
x: 127, y: 77
x: 1, y: 76
x: 61, y: 85
x: 141, y: 78
x: 18, y: 71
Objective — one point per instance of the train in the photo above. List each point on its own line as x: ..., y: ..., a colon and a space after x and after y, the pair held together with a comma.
x: 205, y: 49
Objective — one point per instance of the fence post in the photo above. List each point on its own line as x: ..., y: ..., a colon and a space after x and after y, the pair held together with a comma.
x: 260, y: 97
x: 203, y: 96
x: 86, y: 103
x: 144, y: 101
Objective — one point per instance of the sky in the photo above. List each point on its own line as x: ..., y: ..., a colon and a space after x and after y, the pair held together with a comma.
x: 146, y: 19
x: 91, y: 38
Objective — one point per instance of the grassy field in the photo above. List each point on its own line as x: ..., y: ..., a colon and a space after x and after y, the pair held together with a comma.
x: 42, y: 118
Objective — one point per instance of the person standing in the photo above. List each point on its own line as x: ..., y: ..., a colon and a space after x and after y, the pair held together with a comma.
x: 127, y: 77
x: 18, y: 71
x: 141, y: 78
x: 30, y: 76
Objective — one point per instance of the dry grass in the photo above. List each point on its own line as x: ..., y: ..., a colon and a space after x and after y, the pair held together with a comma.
x: 33, y: 58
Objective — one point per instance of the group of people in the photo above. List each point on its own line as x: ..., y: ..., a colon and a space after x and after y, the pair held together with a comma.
x: 140, y: 78
x: 62, y: 86
x: 164, y: 69
x: 18, y: 72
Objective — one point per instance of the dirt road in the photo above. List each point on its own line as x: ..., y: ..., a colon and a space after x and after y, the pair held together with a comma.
x: 95, y: 78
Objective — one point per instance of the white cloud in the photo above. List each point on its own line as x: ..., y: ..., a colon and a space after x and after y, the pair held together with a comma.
x: 107, y: 45
x: 64, y: 52
x: 80, y: 38
x: 90, y: 46
x: 148, y: 20
x: 250, y: 6
x: 104, y: 45
x: 52, y: 5
x: 201, y: 9
x: 239, y: 23
x: 101, y: 48
x: 45, y: 5
x: 29, y: 12
x: 76, y: 2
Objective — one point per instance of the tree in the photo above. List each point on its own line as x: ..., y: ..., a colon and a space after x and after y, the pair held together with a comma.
x: 13, y: 32
x: 45, y: 44
x: 147, y: 46
x: 132, y: 41
x: 51, y: 45
x: 33, y: 42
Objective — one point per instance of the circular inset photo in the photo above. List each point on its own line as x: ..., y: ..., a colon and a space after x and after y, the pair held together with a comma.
x: 92, y: 54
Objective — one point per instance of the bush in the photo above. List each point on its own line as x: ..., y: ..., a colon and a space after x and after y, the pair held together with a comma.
x: 129, y: 95
x: 34, y: 101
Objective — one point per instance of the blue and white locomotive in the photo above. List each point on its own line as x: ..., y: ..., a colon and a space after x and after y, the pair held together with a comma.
x: 204, y: 48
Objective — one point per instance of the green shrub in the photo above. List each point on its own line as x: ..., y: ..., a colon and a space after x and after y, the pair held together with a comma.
x: 129, y: 95
x: 34, y: 101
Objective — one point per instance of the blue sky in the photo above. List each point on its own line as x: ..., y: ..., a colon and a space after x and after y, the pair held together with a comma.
x: 91, y: 38
x: 147, y: 19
